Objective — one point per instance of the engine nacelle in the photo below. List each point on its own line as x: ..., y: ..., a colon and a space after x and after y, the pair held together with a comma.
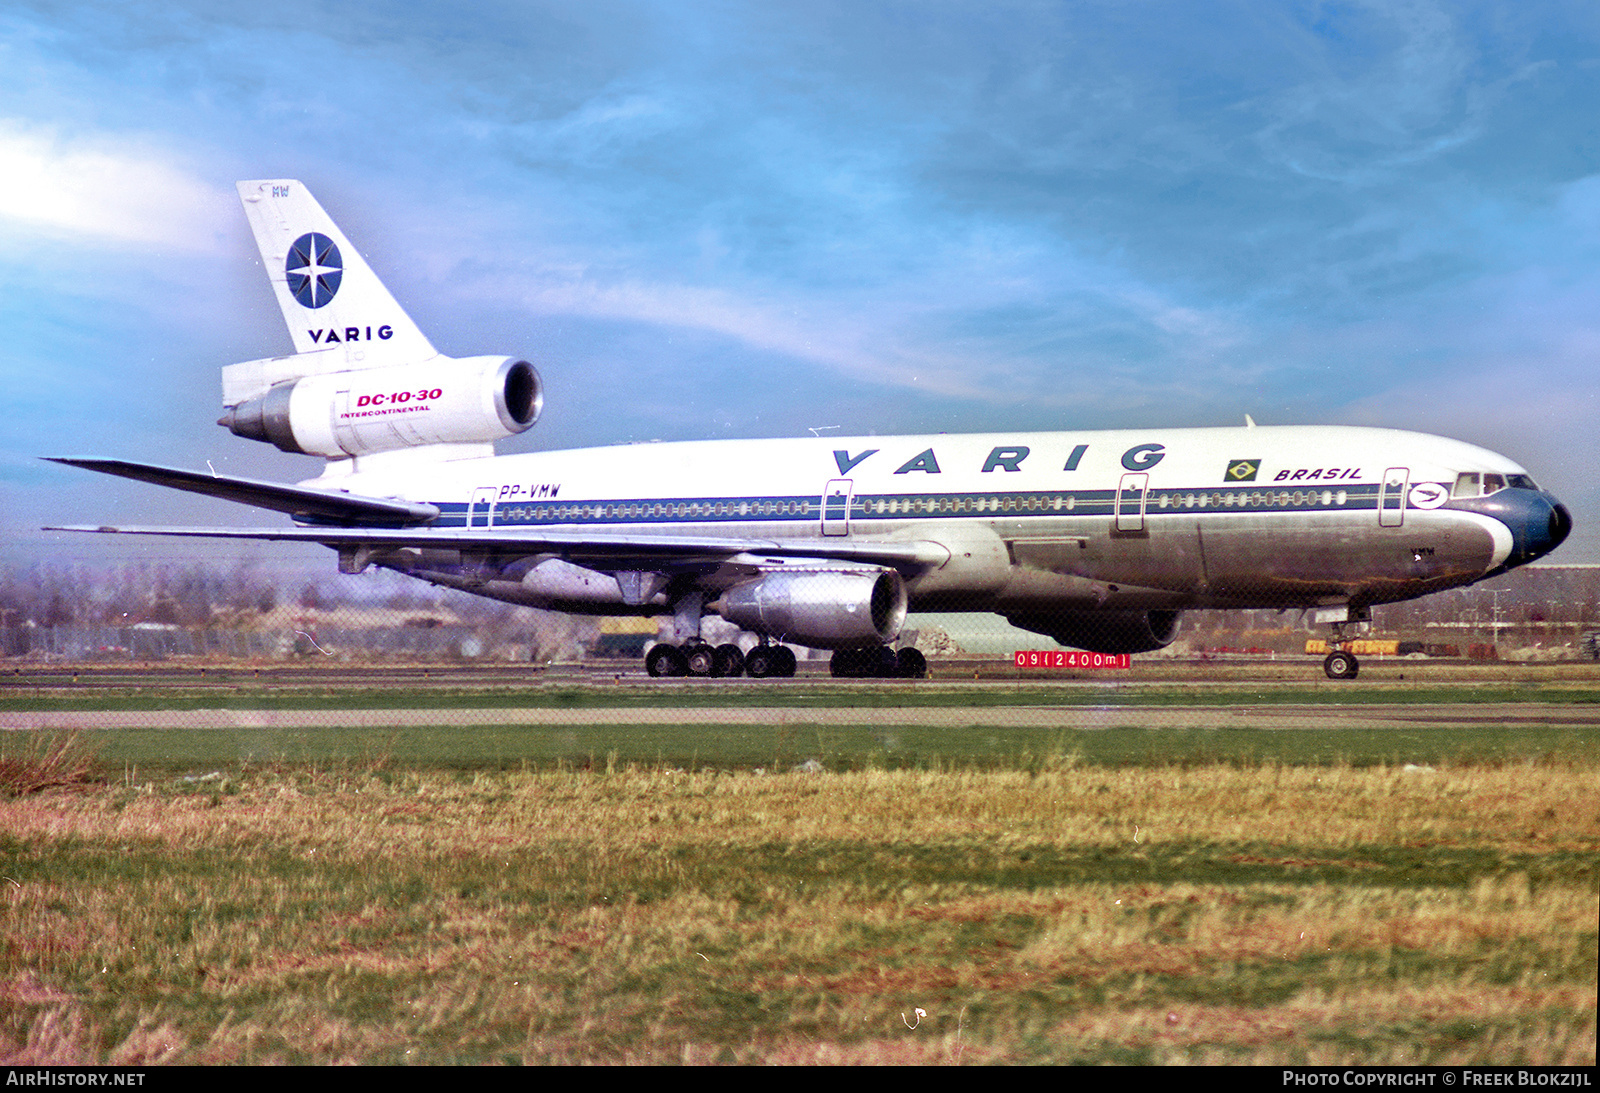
x: 473, y: 400
x: 1104, y: 631
x: 835, y: 609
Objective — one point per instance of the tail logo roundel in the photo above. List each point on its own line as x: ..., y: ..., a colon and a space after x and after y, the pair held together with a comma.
x: 315, y: 269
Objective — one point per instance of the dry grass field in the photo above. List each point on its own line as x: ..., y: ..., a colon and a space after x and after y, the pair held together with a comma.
x: 1067, y: 913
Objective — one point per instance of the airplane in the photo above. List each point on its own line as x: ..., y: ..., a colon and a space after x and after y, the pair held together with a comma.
x: 1098, y: 540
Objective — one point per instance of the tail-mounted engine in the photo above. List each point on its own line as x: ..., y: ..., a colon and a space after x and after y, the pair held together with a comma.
x: 473, y: 400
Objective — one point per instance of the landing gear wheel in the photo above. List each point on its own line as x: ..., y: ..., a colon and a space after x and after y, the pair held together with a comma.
x: 783, y: 661
x: 876, y: 662
x: 758, y: 664
x: 729, y: 661
x: 911, y: 664
x: 665, y: 660
x: 1341, y: 665
x: 846, y: 664
x: 700, y: 659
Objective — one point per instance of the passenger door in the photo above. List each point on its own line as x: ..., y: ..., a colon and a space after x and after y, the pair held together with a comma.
x: 482, y: 511
x: 1130, y: 502
x: 836, y: 500
x: 1392, y: 497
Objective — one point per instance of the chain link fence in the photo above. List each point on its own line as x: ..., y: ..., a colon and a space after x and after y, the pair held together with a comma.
x: 72, y: 611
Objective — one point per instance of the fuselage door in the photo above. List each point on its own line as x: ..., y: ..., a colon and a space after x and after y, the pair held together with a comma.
x: 1392, y: 497
x: 836, y: 507
x: 482, y: 510
x: 1130, y: 501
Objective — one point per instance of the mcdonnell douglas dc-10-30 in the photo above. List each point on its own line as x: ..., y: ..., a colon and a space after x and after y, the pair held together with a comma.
x: 1098, y: 540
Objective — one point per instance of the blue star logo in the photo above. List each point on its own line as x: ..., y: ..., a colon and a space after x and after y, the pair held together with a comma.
x: 315, y: 269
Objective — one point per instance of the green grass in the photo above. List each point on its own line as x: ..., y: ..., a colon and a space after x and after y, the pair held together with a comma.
x: 21, y: 693
x: 500, y: 747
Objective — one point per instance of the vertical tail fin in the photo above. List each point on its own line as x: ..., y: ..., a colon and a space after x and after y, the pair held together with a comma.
x: 328, y: 293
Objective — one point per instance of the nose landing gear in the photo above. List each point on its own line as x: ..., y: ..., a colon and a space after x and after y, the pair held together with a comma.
x: 1341, y: 663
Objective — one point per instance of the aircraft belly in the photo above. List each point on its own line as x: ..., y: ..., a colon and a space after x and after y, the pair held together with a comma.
x: 1158, y: 567
x: 1166, y: 554
x: 977, y: 566
x: 1315, y: 558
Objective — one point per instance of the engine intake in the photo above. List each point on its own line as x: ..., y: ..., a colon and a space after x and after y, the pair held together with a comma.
x: 836, y: 609
x: 474, y: 400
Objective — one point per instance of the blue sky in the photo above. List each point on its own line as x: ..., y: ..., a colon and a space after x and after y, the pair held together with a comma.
x: 726, y: 220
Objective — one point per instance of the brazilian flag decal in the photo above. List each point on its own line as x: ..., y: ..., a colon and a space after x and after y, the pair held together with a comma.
x: 1242, y: 470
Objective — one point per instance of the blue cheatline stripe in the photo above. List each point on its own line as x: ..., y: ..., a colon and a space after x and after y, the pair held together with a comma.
x: 1223, y: 500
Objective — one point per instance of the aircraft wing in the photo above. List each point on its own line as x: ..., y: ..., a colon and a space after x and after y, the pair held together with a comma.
x: 383, y: 524
x: 303, y: 504
x: 594, y: 550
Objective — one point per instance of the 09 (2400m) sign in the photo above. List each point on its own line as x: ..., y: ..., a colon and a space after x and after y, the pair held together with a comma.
x: 1069, y: 658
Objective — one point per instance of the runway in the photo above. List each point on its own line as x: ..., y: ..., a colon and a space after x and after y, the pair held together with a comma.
x: 1264, y: 716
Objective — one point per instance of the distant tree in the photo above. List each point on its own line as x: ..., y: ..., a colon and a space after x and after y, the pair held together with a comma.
x: 59, y: 612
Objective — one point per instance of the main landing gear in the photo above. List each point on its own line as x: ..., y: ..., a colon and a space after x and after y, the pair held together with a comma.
x: 881, y: 662
x: 777, y: 661
x: 769, y: 660
x: 697, y: 658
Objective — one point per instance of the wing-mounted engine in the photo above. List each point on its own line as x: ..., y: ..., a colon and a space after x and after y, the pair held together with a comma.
x: 1104, y: 631
x: 835, y: 608
x: 474, y: 400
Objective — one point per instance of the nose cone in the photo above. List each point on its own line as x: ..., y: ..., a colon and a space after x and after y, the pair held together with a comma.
x: 1560, y: 524
x: 1538, y: 522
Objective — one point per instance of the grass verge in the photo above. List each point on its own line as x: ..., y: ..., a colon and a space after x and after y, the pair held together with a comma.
x: 41, y: 761
x: 21, y: 692
x: 1057, y: 911
x: 166, y: 752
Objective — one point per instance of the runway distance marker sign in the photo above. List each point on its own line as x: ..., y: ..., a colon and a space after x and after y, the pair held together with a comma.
x: 1069, y: 658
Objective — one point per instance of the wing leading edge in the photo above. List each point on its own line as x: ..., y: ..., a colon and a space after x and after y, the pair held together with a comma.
x: 605, y: 552
x: 308, y: 505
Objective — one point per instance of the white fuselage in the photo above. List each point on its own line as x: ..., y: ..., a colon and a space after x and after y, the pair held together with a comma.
x: 1138, y: 519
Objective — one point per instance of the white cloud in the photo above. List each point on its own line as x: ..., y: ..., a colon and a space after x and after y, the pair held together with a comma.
x: 768, y: 327
x: 108, y: 190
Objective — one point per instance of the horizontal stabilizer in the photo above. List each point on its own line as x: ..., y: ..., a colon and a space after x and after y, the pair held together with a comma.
x: 312, y: 506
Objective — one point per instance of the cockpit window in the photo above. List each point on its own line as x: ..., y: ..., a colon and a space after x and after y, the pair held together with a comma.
x: 1473, y: 484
